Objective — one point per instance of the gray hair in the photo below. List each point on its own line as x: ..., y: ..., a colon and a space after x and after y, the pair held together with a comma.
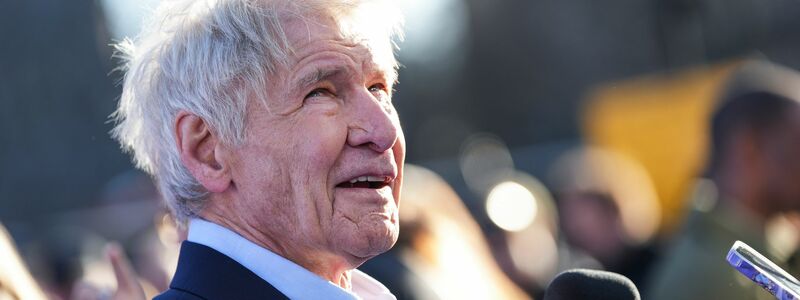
x: 208, y: 57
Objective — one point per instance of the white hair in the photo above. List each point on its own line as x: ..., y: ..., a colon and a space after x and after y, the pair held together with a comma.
x: 207, y: 57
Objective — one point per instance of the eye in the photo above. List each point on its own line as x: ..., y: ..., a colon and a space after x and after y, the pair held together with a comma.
x: 377, y: 88
x: 320, y: 92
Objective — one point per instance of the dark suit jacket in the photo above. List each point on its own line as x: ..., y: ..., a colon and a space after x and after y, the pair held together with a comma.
x: 204, y: 273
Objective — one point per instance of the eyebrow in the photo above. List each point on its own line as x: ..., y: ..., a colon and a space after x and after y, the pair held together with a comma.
x: 319, y: 75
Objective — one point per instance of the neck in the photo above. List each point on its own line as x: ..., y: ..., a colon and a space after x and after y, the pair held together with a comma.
x: 740, y: 195
x: 322, y: 263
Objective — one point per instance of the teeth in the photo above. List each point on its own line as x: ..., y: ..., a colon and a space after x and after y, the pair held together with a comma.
x: 368, y: 178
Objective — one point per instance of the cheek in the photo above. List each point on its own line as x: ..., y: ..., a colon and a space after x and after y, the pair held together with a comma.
x: 399, y: 152
x: 399, y: 149
x: 258, y: 170
x: 318, y: 148
x: 265, y: 192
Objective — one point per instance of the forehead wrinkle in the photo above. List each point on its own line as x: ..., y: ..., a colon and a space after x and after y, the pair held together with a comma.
x: 389, y: 75
x: 359, y: 60
x: 322, y: 74
x: 373, y: 65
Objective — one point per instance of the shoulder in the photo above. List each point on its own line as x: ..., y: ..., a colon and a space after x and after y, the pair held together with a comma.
x: 697, y: 269
x: 173, y: 294
x: 204, y: 273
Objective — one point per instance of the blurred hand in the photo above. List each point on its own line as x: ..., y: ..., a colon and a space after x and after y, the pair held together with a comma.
x: 128, y: 287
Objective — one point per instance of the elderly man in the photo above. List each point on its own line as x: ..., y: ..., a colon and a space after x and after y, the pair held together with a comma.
x: 269, y: 127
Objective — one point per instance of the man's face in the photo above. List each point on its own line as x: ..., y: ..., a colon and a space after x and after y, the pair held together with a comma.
x: 782, y: 163
x: 321, y: 167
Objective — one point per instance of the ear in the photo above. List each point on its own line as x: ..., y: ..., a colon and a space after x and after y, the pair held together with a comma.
x: 199, y: 148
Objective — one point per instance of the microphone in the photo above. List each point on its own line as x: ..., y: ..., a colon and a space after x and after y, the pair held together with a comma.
x: 579, y: 284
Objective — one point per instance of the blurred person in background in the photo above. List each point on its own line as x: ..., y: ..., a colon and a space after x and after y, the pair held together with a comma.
x: 753, y: 174
x: 132, y: 214
x: 55, y: 257
x: 441, y: 252
x: 16, y: 283
x: 608, y: 212
x: 269, y: 128
x: 128, y: 284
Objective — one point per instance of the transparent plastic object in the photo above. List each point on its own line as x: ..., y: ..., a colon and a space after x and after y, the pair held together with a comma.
x: 764, y: 272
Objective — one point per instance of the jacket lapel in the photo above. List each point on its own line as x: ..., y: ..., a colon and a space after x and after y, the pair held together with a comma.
x: 210, y: 274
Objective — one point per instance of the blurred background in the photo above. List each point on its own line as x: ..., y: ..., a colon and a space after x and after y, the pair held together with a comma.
x: 533, y: 112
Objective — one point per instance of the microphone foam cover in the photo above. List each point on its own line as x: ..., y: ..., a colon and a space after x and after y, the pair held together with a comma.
x: 579, y: 284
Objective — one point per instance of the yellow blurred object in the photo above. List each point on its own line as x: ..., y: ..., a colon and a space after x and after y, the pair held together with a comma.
x: 661, y: 121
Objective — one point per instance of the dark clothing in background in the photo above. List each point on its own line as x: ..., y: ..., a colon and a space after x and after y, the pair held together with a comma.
x: 696, y: 266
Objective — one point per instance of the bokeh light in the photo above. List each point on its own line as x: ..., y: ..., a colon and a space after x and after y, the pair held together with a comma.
x: 511, y: 206
x: 434, y: 31
x: 124, y: 18
x: 534, y: 252
x: 485, y: 160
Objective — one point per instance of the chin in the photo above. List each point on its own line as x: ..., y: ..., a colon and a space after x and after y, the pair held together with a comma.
x: 371, y: 242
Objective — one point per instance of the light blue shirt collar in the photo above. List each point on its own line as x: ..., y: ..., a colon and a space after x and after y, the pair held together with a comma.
x: 289, y: 278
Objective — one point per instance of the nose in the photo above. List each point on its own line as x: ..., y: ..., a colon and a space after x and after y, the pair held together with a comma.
x: 374, y: 123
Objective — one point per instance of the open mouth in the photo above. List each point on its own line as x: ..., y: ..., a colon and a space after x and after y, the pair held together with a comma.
x: 366, y: 182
